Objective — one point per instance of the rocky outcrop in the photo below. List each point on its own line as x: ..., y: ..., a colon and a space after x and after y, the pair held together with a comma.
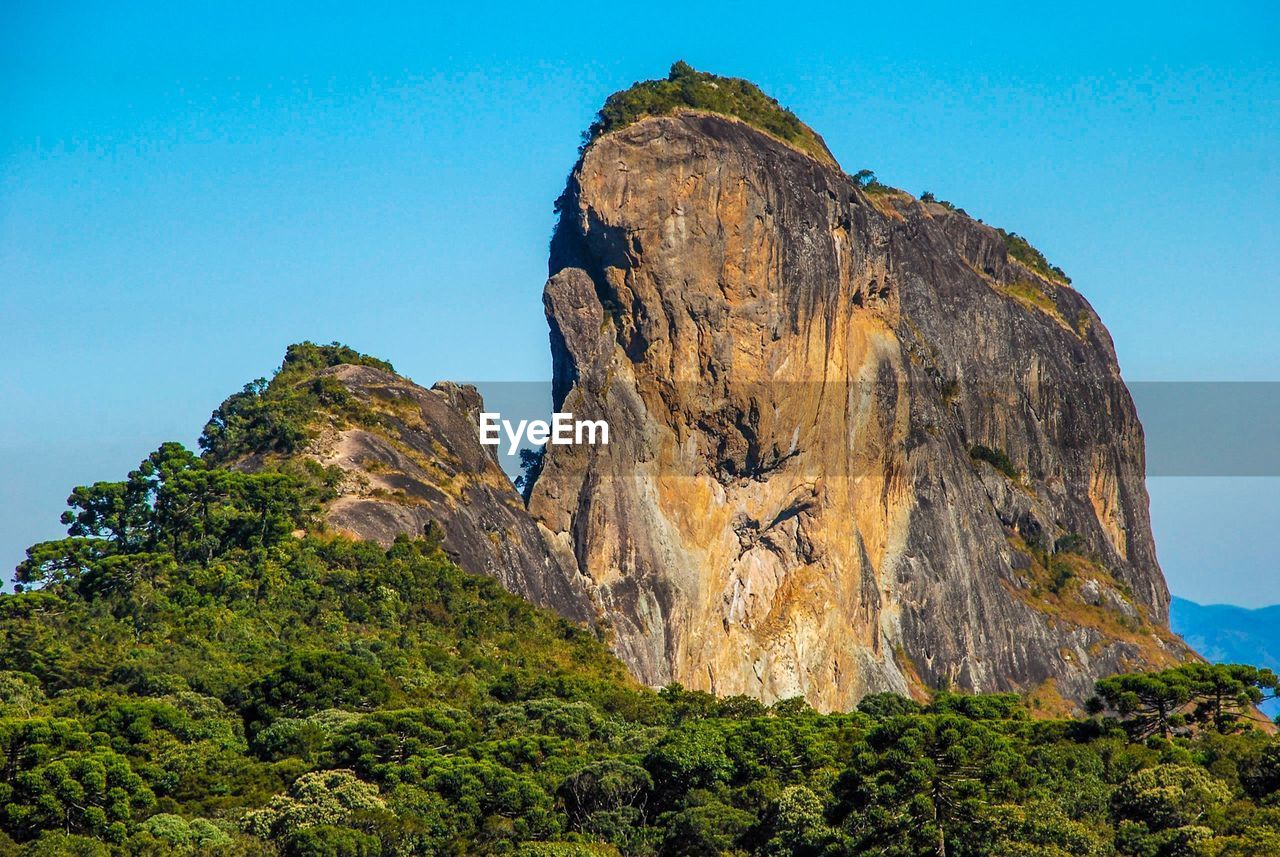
x: 855, y: 445
x: 412, y: 464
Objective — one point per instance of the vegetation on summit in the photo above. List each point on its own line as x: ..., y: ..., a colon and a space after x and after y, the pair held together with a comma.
x: 1019, y: 248
x: 275, y: 416
x: 687, y: 88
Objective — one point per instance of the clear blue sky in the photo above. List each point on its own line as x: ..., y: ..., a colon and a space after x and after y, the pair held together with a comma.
x: 186, y: 188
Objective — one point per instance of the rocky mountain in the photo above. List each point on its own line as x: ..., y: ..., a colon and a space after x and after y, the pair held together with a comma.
x: 860, y: 441
x: 857, y: 428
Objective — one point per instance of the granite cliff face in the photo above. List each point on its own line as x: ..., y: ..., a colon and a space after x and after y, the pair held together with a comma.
x: 856, y: 445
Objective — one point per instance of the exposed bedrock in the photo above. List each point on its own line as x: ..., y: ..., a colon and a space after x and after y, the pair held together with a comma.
x: 798, y: 377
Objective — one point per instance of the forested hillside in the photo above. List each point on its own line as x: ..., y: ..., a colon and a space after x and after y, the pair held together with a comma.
x: 200, y: 668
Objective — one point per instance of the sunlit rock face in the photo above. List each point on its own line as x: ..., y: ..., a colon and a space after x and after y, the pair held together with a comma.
x: 797, y: 376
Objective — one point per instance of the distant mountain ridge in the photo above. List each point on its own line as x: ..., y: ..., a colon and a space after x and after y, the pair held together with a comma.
x: 1224, y: 633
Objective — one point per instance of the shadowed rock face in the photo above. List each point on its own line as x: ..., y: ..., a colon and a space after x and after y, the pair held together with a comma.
x: 420, y: 469
x: 795, y: 374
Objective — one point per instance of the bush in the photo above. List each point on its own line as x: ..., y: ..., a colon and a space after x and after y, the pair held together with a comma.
x: 328, y: 840
x: 884, y: 705
x: 996, y: 458
x: 686, y: 87
x: 1019, y: 248
x: 566, y: 849
x: 866, y: 180
x: 1070, y: 543
x: 176, y: 831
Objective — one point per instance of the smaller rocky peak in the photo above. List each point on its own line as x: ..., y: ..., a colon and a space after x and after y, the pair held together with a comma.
x: 396, y: 459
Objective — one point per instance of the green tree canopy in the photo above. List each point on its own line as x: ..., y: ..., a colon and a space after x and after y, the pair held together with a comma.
x: 685, y: 87
x: 200, y: 668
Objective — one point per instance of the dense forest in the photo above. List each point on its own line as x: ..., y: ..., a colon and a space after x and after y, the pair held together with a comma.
x: 199, y: 667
